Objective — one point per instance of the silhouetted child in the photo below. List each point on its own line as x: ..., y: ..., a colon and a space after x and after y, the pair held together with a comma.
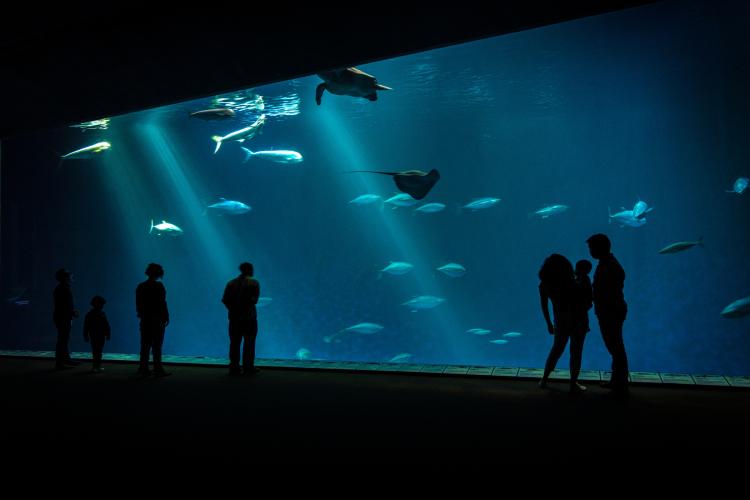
x: 584, y: 294
x: 96, y: 329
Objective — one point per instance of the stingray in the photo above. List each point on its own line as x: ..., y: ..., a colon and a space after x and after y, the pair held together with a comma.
x: 415, y: 183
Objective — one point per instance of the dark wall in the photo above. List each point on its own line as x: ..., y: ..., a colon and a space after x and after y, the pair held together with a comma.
x: 78, y: 63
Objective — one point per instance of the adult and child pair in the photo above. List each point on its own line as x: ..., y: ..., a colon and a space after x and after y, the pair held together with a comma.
x: 572, y: 295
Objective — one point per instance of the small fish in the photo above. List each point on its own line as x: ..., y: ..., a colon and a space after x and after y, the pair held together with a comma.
x: 479, y: 331
x: 303, y: 354
x: 423, y: 302
x: 498, y: 342
x: 550, y: 210
x: 512, y: 335
x: 453, y: 270
x: 214, y: 114
x: 737, y: 309
x: 401, y: 200
x: 241, y: 135
x: 400, y: 358
x: 481, y: 204
x: 681, y: 246
x: 740, y: 185
x: 365, y: 199
x: 263, y: 301
x: 229, y: 207
x: 165, y: 227
x: 430, y: 208
x: 276, y: 156
x: 397, y: 268
x: 87, y: 152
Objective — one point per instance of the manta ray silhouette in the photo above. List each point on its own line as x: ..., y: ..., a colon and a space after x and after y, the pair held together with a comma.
x: 415, y: 183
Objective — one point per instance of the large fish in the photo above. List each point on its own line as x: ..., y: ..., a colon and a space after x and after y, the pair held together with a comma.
x: 165, y: 227
x: 277, y: 156
x: 737, y: 309
x: 88, y: 152
x: 241, y: 135
x: 681, y: 246
x: 214, y: 114
x: 415, y: 183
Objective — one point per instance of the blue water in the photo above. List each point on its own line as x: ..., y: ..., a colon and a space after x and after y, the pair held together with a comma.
x: 649, y: 103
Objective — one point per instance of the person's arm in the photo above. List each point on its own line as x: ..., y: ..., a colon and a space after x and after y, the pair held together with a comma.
x: 225, y: 297
x: 166, y: 309
x: 256, y: 291
x: 545, y: 309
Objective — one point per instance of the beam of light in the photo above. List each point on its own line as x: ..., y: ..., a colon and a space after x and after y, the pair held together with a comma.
x: 120, y: 168
x: 332, y: 127
x: 173, y: 169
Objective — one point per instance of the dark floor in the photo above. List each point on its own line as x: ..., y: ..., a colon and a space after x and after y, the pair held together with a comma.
x: 299, y: 415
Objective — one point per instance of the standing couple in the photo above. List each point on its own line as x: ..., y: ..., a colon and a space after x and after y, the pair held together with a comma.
x: 572, y: 294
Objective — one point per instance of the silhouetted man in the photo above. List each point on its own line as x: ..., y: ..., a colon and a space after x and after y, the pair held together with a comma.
x: 62, y: 315
x: 610, y: 308
x: 240, y: 296
x: 151, y: 306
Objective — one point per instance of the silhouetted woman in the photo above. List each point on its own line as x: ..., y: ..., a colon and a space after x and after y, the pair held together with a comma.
x: 557, y: 284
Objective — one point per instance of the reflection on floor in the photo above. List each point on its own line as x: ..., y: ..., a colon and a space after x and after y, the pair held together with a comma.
x: 470, y: 371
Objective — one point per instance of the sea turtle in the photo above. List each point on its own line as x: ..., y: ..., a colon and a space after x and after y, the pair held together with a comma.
x: 349, y: 81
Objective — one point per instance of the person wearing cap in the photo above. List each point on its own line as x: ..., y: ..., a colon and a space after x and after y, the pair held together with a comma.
x: 151, y: 307
x: 96, y: 330
x: 240, y: 297
x: 62, y: 315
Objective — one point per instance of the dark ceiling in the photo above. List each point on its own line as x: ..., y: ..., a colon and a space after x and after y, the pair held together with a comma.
x: 65, y: 67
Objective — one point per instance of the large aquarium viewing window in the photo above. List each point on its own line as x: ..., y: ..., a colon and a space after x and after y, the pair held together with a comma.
x: 633, y: 124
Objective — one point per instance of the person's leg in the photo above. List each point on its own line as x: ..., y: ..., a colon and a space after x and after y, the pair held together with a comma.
x: 146, y: 340
x: 235, y: 339
x: 558, y: 347
x: 97, y: 346
x: 156, y: 348
x: 611, y: 329
x: 248, y: 352
x: 63, y: 337
x: 619, y: 356
x: 576, y: 356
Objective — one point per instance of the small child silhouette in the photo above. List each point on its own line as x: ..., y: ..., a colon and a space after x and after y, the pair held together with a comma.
x: 96, y: 329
